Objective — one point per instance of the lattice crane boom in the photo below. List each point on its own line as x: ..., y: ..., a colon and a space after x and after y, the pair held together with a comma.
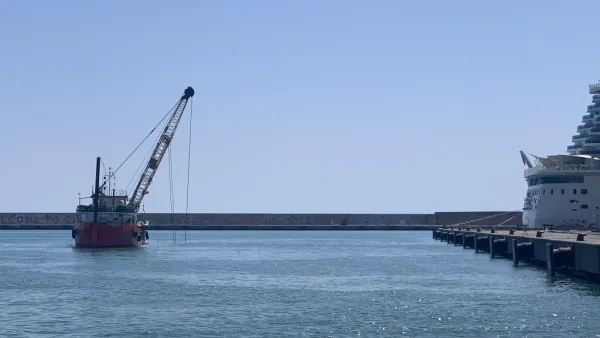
x: 159, y: 151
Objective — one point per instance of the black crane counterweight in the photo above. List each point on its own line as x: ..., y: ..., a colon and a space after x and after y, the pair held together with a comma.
x: 188, y: 92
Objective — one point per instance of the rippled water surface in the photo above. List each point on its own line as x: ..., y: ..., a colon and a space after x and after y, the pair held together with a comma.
x: 281, y: 284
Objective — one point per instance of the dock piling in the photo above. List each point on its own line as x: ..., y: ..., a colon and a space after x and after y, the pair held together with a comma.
x: 468, y: 241
x: 500, y: 247
x: 459, y: 239
x: 482, y: 243
x: 565, y: 251
x: 515, y: 253
x: 550, y: 258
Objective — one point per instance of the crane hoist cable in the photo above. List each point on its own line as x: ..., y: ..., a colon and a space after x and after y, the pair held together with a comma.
x: 187, y: 192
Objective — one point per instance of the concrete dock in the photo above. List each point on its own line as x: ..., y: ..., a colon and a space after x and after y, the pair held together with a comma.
x: 572, y: 252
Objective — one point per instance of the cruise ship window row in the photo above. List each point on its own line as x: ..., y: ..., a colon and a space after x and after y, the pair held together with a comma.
x: 555, y: 180
x: 562, y: 192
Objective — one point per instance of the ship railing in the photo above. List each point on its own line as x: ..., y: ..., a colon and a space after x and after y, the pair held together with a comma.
x: 117, y: 192
x: 120, y: 192
x: 594, y: 87
x: 563, y: 168
x: 103, y: 208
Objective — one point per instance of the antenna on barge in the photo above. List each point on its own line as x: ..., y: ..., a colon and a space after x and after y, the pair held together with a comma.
x: 97, y: 189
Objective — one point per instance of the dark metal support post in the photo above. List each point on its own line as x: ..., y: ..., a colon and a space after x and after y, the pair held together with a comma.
x: 97, y: 189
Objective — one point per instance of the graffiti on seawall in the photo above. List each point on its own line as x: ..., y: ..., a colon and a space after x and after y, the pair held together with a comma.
x: 53, y: 219
x: 288, y: 220
x: 34, y: 218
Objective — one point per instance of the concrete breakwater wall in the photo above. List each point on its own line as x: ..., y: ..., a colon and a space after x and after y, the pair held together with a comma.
x: 285, y: 221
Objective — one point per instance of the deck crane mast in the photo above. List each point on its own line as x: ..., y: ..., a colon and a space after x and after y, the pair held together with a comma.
x: 159, y: 151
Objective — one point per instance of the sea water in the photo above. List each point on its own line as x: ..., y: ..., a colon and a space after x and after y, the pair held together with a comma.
x: 282, y: 284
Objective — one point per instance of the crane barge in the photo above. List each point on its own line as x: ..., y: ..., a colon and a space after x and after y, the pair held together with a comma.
x: 112, y: 218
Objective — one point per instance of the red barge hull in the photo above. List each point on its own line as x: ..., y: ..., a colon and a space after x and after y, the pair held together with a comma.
x: 106, y: 235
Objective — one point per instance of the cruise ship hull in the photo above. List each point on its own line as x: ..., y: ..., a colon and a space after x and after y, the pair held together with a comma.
x: 562, y: 192
x: 107, y: 235
x: 563, y: 205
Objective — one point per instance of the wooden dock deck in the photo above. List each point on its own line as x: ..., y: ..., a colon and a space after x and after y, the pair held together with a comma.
x: 576, y: 252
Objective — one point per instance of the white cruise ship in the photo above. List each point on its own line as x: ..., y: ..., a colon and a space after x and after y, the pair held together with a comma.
x: 564, y: 190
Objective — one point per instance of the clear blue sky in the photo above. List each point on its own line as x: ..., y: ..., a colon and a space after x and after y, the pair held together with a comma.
x: 300, y: 106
